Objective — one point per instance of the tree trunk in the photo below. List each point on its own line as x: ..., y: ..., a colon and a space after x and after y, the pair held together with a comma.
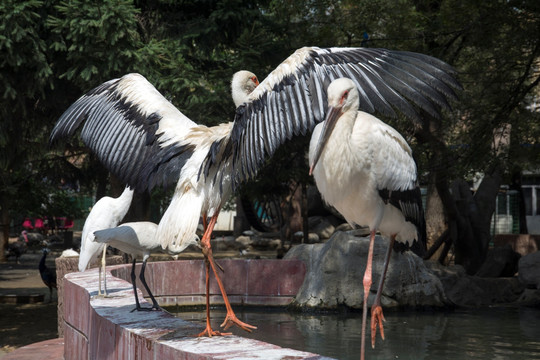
x: 516, y: 185
x: 4, y: 227
x: 486, y: 201
x: 305, y: 218
x: 102, y: 178
x: 291, y: 210
x: 473, y: 220
x: 436, y: 223
x: 140, y: 208
x: 466, y: 247
x: 468, y: 217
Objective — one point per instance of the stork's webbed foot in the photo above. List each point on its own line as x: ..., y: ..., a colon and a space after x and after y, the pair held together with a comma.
x: 231, y: 320
x: 377, y: 318
x: 209, y: 332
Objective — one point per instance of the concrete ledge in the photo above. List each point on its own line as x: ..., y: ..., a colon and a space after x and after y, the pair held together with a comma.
x: 105, y: 328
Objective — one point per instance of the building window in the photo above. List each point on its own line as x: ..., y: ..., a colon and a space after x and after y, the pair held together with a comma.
x: 531, y: 193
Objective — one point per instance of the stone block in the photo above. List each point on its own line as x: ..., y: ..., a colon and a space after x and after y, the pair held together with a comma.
x: 335, y: 272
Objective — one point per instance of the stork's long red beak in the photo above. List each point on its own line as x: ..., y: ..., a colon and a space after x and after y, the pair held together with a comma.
x: 332, y: 116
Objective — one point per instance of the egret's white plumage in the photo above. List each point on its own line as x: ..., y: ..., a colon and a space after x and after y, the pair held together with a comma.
x: 146, y: 142
x: 134, y: 238
x: 365, y: 169
x: 137, y: 239
x: 107, y: 212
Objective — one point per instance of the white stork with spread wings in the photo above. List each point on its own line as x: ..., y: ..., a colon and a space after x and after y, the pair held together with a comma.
x: 145, y: 141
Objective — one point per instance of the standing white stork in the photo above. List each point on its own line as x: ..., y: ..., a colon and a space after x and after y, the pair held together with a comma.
x: 107, y: 212
x: 365, y: 169
x: 145, y: 141
x: 136, y: 239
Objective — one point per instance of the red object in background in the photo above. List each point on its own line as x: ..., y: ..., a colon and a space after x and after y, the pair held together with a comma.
x: 41, y: 224
x: 68, y: 224
x: 38, y: 223
x: 27, y: 224
x: 64, y: 223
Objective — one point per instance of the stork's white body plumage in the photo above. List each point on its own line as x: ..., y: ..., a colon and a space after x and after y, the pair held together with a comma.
x: 362, y: 156
x: 107, y: 212
x: 365, y: 169
x: 195, y: 196
x: 146, y: 142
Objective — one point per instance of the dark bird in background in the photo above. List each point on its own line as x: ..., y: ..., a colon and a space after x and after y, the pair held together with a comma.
x: 19, y: 247
x: 33, y: 240
x: 47, y: 275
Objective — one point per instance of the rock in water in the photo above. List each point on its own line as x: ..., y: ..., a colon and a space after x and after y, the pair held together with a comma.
x: 529, y: 270
x: 501, y: 261
x: 335, y: 271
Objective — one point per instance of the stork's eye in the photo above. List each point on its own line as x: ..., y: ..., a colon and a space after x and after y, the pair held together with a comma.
x: 255, y: 80
x: 344, y: 96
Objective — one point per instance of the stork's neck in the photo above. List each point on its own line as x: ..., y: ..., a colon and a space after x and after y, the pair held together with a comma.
x: 345, y: 125
x: 339, y: 141
x: 239, y: 94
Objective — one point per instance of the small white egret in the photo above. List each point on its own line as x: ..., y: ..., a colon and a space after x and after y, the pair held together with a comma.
x: 107, y: 212
x: 139, y: 240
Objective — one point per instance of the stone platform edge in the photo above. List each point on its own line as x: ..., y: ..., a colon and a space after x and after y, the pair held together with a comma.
x: 105, y: 328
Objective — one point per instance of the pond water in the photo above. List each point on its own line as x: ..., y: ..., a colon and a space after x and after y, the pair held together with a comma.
x: 485, y: 333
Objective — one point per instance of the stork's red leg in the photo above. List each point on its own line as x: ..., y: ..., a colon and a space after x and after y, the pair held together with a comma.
x: 230, y: 318
x: 208, y: 331
x: 377, y: 316
x: 367, y: 285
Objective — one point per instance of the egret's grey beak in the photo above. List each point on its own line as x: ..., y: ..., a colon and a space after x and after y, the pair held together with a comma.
x: 332, y: 115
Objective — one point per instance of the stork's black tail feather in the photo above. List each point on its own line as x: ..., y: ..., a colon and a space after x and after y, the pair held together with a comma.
x: 409, y: 202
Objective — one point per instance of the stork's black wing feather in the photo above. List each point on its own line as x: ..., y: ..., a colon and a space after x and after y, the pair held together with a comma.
x: 409, y: 202
x: 293, y: 99
x: 120, y: 122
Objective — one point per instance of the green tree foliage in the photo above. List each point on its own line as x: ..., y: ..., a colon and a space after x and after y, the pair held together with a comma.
x: 90, y: 43
x: 98, y: 39
x: 52, y: 52
x: 26, y: 75
x: 495, y: 48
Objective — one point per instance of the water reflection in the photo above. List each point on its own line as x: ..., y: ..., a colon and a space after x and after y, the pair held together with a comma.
x: 487, y: 333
